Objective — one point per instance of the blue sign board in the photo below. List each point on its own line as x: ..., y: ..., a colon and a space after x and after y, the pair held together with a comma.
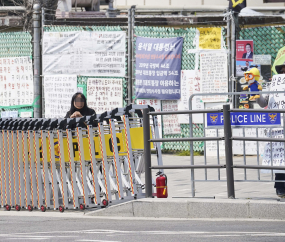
x: 158, y: 68
x: 245, y: 119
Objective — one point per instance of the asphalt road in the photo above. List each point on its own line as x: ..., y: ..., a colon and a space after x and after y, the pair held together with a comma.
x: 53, y: 226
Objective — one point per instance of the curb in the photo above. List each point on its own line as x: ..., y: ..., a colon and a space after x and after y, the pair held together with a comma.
x: 195, y: 208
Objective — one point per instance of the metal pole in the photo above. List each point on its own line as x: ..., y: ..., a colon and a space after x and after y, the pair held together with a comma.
x: 229, y: 51
x: 130, y: 86
x: 191, y: 149
x: 229, y: 151
x: 37, y: 60
x: 133, y: 10
x: 42, y: 36
x: 147, y: 154
x: 233, y: 55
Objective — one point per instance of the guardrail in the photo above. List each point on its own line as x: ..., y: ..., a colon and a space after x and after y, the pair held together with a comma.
x: 228, y: 138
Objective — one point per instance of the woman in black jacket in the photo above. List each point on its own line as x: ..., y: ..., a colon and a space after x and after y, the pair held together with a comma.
x: 79, y: 107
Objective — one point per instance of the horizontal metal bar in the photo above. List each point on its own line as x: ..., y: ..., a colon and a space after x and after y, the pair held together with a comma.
x: 258, y: 110
x: 259, y: 139
x: 260, y: 167
x: 189, y: 167
x: 186, y: 139
x: 239, y: 180
x: 187, y: 112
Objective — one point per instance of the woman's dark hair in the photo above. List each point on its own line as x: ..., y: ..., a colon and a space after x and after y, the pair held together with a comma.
x: 73, y: 108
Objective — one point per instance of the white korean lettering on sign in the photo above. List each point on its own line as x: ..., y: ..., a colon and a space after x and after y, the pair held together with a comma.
x: 170, y: 122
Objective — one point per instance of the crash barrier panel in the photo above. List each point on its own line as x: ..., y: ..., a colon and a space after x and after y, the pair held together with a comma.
x: 79, y: 163
x: 227, y: 138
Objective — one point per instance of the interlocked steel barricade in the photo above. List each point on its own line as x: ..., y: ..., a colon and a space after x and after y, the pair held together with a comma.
x: 59, y: 164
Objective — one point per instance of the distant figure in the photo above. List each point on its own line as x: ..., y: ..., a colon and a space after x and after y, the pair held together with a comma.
x: 79, y: 107
x: 248, y: 54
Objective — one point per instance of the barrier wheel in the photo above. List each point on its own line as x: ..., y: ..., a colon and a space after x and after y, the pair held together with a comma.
x: 105, y: 202
x: 61, y: 209
x: 30, y: 208
x: 18, y: 208
x: 43, y: 208
x: 8, y: 207
x: 82, y: 206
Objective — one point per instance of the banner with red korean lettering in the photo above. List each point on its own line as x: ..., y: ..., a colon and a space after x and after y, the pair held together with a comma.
x: 158, y: 68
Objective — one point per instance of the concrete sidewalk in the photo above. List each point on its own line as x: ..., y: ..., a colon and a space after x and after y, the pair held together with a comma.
x: 253, y: 199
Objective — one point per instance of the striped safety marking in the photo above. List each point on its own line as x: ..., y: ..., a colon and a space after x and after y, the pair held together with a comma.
x: 115, y: 160
x: 81, y: 165
x: 14, y: 168
x: 24, y: 161
x: 1, y: 176
x: 128, y: 152
x: 70, y: 168
x: 37, y: 176
x: 44, y: 174
x: 19, y: 168
x: 103, y: 163
x: 51, y: 172
x: 61, y: 168
x: 31, y: 171
x: 92, y: 167
x: 9, y: 168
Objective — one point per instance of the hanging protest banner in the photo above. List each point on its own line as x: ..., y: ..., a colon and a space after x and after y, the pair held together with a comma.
x: 59, y: 90
x: 214, y: 75
x: 210, y: 38
x: 88, y: 53
x: 190, y: 84
x: 104, y: 94
x: 158, y: 67
x: 16, y: 81
x: 170, y: 122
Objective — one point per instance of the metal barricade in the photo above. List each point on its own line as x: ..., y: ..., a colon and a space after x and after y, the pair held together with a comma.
x: 80, y: 163
x: 228, y: 138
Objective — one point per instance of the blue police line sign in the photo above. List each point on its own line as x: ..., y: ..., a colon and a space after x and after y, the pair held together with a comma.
x: 245, y: 119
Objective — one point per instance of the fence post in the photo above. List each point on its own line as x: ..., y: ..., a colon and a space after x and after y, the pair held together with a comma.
x: 229, y: 151
x: 37, y: 60
x: 147, y: 154
x: 130, y: 79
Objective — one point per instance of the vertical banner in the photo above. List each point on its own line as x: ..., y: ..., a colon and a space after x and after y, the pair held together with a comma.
x: 59, y: 90
x: 158, y: 67
x: 104, y: 94
x: 214, y: 74
x: 190, y: 84
x: 16, y: 81
x: 170, y: 122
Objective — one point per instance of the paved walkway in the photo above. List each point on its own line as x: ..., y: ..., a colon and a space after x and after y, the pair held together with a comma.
x: 179, y: 181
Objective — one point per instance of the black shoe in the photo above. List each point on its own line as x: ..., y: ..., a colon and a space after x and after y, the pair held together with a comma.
x: 280, y: 192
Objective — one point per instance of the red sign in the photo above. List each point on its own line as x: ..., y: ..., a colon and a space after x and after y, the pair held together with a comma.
x: 244, y: 50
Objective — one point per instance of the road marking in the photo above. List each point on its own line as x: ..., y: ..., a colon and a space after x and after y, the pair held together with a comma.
x: 99, y: 240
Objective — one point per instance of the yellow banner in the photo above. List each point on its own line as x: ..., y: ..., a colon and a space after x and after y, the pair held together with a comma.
x: 210, y: 38
x: 137, y: 142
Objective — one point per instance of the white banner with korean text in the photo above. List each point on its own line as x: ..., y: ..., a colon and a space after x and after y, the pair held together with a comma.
x: 59, y: 90
x: 170, y: 122
x: 89, y: 53
x: 104, y: 94
x: 16, y: 81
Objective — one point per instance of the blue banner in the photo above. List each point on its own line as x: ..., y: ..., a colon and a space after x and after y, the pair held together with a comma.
x: 158, y: 68
x: 245, y: 119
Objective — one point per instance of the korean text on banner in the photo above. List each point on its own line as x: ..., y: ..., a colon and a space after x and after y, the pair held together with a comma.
x: 59, y: 90
x: 214, y: 75
x: 158, y: 66
x: 88, y: 53
x: 190, y: 84
x: 210, y: 38
x: 276, y: 100
x: 104, y: 94
x: 170, y: 122
x: 16, y: 81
